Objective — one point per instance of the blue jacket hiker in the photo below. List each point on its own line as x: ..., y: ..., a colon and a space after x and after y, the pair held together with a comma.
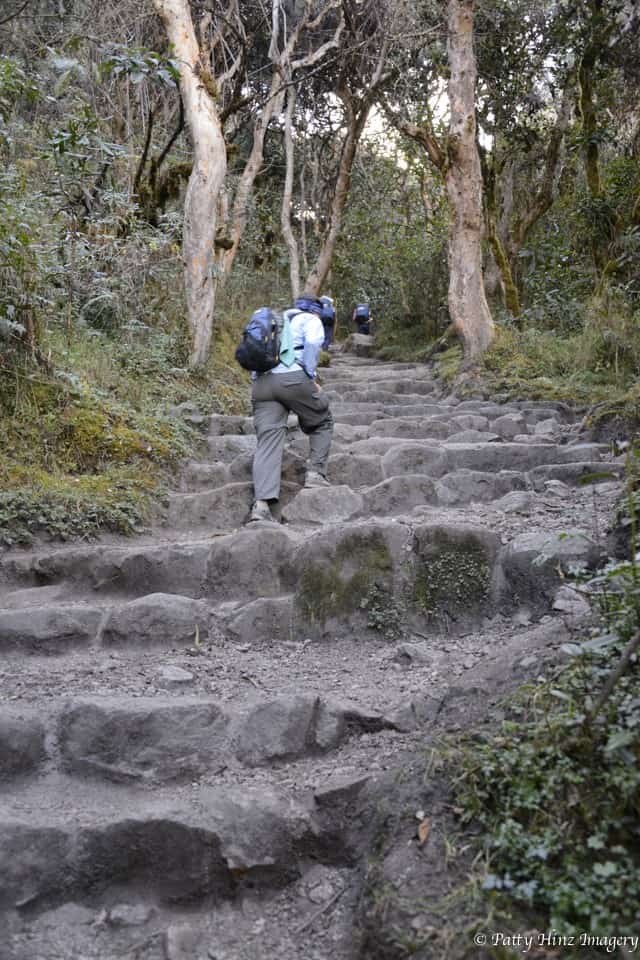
x: 328, y: 321
x: 291, y: 386
x: 362, y: 317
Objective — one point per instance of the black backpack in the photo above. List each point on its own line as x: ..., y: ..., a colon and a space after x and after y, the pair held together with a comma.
x: 259, y: 350
x: 362, y: 311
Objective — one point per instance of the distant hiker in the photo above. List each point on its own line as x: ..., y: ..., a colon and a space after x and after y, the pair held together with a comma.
x: 328, y: 321
x: 291, y: 386
x: 362, y: 317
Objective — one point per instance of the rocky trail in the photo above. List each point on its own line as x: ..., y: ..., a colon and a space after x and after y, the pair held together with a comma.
x: 193, y: 724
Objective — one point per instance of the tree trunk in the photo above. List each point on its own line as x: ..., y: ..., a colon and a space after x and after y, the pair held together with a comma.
x: 252, y: 169
x: 287, y: 196
x: 468, y: 306
x: 319, y: 272
x: 207, y: 176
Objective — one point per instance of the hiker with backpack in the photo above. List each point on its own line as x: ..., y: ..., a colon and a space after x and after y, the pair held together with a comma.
x: 328, y: 321
x: 282, y: 353
x: 362, y: 317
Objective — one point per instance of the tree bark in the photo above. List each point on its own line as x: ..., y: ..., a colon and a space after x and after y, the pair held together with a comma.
x: 468, y: 307
x: 207, y: 176
x: 252, y: 169
x: 287, y: 196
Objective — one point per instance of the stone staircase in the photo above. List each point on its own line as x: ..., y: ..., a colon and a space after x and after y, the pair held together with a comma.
x: 190, y: 721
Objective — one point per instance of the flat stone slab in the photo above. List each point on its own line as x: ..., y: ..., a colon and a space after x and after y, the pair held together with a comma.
x: 360, y: 344
x: 534, y: 564
x: 204, y: 476
x: 227, y: 448
x: 153, y: 741
x: 407, y: 457
x: 48, y: 629
x: 22, y: 744
x: 291, y: 726
x: 138, y: 569
x: 221, y: 509
x: 399, y: 495
x: 257, y: 560
x: 573, y: 474
x: 476, y: 486
x: 176, y: 852
x: 267, y: 618
x: 416, y: 429
x: 474, y: 436
x: 355, y: 470
x: 323, y: 505
x: 158, y: 619
x: 222, y: 425
x: 514, y: 456
x: 470, y: 421
x: 342, y: 566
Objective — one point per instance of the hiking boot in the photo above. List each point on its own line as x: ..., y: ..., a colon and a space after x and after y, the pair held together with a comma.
x: 315, y: 479
x: 260, y: 511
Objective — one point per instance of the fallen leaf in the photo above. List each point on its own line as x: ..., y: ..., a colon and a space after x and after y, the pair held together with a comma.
x: 424, y: 829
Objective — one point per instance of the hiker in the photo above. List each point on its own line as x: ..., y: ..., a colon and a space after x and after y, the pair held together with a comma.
x: 362, y: 317
x: 291, y: 386
x: 328, y: 321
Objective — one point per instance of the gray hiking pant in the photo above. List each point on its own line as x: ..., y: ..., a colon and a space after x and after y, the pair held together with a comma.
x: 273, y: 395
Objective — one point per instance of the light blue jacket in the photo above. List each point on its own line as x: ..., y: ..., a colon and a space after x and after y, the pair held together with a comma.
x: 308, y: 336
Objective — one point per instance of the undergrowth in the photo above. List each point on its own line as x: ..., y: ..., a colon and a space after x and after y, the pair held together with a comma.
x: 92, y: 443
x: 544, y: 365
x: 555, y: 792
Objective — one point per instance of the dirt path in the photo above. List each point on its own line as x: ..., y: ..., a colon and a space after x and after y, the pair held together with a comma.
x: 191, y: 721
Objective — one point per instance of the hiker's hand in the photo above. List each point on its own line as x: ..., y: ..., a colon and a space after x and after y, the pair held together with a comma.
x: 317, y: 384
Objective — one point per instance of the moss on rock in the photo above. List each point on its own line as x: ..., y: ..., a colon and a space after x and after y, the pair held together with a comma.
x: 452, y: 575
x: 337, y: 586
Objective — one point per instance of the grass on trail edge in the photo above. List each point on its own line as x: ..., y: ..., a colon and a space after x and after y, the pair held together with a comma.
x: 537, y: 365
x: 93, y: 445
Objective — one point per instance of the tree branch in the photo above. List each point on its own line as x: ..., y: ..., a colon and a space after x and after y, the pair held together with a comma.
x: 16, y: 13
x: 174, y: 136
x: 145, y: 151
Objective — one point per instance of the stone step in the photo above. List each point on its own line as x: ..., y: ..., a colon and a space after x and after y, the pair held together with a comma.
x: 59, y: 844
x: 223, y: 425
x: 221, y: 510
x: 260, y: 560
x: 197, y: 475
x: 374, y: 395
x: 360, y: 489
x: 152, y: 740
x: 395, y: 387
